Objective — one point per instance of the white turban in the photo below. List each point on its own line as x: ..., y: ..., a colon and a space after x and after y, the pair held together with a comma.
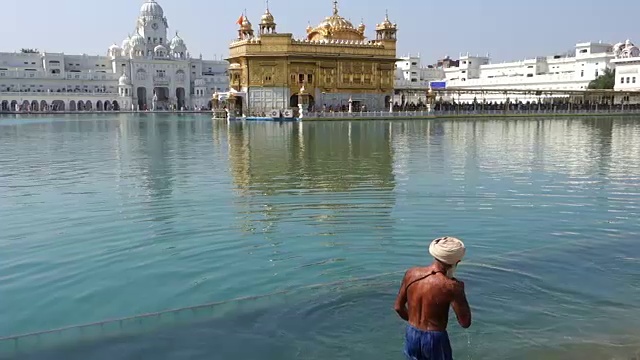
x: 447, y: 249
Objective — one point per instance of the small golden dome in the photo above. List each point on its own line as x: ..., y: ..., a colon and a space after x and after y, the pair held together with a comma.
x: 246, y: 24
x: 361, y: 27
x: 267, y: 18
x: 386, y: 24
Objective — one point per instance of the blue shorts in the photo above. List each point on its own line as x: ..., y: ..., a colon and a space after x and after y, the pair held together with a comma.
x: 427, y: 345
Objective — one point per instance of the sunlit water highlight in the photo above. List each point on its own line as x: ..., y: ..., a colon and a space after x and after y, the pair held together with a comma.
x: 112, y: 216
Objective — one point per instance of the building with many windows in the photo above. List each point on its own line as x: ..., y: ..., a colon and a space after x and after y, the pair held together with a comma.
x: 147, y: 71
x: 573, y: 71
x: 413, y: 79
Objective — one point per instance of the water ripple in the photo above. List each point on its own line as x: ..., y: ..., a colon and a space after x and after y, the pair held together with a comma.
x: 118, y: 215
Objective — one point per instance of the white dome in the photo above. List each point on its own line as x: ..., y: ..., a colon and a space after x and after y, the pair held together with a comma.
x: 137, y: 41
x: 177, y: 44
x: 159, y: 48
x: 124, y: 80
x: 114, y: 51
x: 151, y: 8
x: 126, y: 44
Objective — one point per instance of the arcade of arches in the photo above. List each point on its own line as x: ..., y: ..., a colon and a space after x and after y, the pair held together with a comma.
x: 59, y: 105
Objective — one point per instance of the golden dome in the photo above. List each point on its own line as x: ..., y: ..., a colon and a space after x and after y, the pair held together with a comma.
x: 361, y: 27
x: 335, y: 27
x: 246, y: 24
x: 267, y: 18
x: 386, y: 24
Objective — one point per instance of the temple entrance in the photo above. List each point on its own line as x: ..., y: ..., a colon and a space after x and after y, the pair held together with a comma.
x: 180, y: 96
x: 142, y: 98
x: 161, y: 98
x: 293, y: 102
x: 116, y: 106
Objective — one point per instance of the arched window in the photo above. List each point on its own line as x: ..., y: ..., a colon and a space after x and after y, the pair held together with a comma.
x: 141, y: 74
x: 180, y: 75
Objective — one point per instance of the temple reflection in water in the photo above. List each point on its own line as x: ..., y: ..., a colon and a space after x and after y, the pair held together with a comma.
x: 325, y: 157
x: 341, y: 172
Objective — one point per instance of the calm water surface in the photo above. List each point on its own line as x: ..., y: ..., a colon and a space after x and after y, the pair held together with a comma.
x: 113, y: 216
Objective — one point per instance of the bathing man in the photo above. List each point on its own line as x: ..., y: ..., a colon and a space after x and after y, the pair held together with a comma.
x: 424, y: 299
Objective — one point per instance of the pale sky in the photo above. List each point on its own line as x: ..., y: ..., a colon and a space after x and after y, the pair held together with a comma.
x: 507, y: 29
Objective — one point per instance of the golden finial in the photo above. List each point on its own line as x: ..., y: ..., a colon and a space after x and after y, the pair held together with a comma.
x: 335, y: 7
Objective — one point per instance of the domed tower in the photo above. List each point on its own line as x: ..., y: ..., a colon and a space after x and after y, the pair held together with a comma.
x: 246, y: 29
x: 124, y: 85
x: 362, y: 27
x: 386, y: 31
x: 160, y: 52
x: 126, y: 46
x: 267, y: 22
x: 137, y: 46
x: 114, y: 51
x: 178, y: 47
x: 152, y: 25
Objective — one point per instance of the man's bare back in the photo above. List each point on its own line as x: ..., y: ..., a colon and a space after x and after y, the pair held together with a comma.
x: 424, y: 299
x: 428, y: 294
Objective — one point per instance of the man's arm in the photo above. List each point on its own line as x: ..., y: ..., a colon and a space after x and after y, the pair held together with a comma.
x: 460, y: 305
x: 401, y: 301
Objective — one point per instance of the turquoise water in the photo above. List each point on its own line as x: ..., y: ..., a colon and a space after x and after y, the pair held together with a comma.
x: 112, y: 216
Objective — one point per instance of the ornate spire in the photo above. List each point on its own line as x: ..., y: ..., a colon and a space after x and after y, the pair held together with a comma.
x: 335, y: 7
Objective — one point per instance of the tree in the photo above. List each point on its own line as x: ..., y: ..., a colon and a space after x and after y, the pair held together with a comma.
x: 605, y: 81
x: 29, y: 51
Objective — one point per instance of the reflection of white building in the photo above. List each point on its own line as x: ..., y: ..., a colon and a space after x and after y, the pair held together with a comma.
x: 147, y: 71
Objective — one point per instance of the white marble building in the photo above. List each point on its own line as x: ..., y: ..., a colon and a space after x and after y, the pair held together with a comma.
x: 147, y: 71
x: 626, y: 63
x: 412, y: 79
x: 571, y: 71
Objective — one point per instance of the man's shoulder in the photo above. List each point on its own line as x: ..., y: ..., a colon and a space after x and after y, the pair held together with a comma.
x: 416, y: 270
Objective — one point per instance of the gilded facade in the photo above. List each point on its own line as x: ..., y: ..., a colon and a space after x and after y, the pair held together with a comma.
x: 334, y: 63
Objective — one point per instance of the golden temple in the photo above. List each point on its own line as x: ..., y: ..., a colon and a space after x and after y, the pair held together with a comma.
x: 334, y: 66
